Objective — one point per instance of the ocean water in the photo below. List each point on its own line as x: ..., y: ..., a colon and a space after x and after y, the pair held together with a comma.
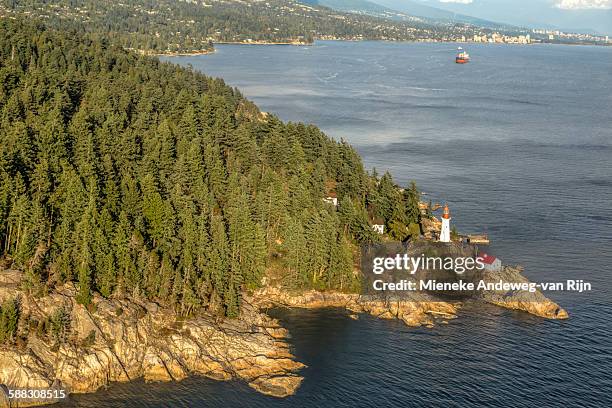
x: 519, y: 143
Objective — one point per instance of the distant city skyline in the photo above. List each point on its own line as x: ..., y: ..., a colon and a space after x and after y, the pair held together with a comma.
x: 579, y: 15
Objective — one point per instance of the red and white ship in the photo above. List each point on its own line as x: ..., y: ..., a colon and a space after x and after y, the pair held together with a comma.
x: 462, y: 56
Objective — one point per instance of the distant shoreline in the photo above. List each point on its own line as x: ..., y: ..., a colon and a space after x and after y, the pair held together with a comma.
x: 176, y: 53
x: 212, y: 51
x: 302, y: 44
x: 264, y: 43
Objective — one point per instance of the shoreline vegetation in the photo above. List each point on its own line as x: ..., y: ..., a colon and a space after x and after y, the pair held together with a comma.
x: 149, y: 213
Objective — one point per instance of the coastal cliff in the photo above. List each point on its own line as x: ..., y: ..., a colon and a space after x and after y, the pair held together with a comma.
x: 120, y: 340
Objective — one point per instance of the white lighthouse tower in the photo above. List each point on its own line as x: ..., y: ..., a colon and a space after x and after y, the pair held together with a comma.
x: 445, y: 230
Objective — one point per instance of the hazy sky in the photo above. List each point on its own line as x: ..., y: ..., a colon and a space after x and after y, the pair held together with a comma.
x: 569, y: 14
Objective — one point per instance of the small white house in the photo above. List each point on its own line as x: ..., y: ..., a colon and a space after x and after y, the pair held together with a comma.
x: 491, y: 263
x: 332, y: 198
x: 378, y: 226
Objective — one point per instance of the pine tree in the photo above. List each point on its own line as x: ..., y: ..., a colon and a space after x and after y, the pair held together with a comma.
x: 188, y: 234
x: 86, y: 156
x: 398, y: 224
x: 272, y: 205
x: 275, y: 148
x: 387, y: 196
x: 231, y: 298
x: 189, y: 128
x: 166, y: 275
x: 245, y: 149
x: 9, y: 320
x: 167, y: 149
x: 60, y: 325
x: 317, y: 241
x: 246, y: 241
x: 215, y: 170
x: 340, y: 274
x: 19, y: 240
x: 317, y: 181
x: 218, y: 264
x: 52, y: 140
x: 104, y: 260
x: 158, y: 214
x: 299, y: 198
x: 296, y: 250
x: 412, y: 204
x: 41, y: 182
x: 296, y: 161
x: 18, y: 149
x: 5, y: 205
x: 151, y: 279
x: 346, y: 212
x: 121, y: 250
x: 70, y: 199
x: 84, y: 254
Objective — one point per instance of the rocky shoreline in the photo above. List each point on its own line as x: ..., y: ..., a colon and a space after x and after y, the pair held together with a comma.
x: 534, y: 303
x: 120, y: 340
x: 418, y: 308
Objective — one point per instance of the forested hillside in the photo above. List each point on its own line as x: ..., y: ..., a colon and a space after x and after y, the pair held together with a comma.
x: 135, y: 177
x: 166, y: 26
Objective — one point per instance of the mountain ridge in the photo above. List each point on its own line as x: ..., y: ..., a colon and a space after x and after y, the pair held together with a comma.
x: 410, y: 9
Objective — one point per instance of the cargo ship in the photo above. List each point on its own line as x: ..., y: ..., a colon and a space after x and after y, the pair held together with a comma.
x: 462, y: 56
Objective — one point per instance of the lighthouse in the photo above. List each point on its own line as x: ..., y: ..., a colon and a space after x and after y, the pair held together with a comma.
x: 445, y: 230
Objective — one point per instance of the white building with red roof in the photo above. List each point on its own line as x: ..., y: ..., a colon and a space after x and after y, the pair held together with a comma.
x: 491, y: 263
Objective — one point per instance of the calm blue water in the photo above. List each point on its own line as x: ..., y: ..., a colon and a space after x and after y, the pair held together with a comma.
x: 519, y: 143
